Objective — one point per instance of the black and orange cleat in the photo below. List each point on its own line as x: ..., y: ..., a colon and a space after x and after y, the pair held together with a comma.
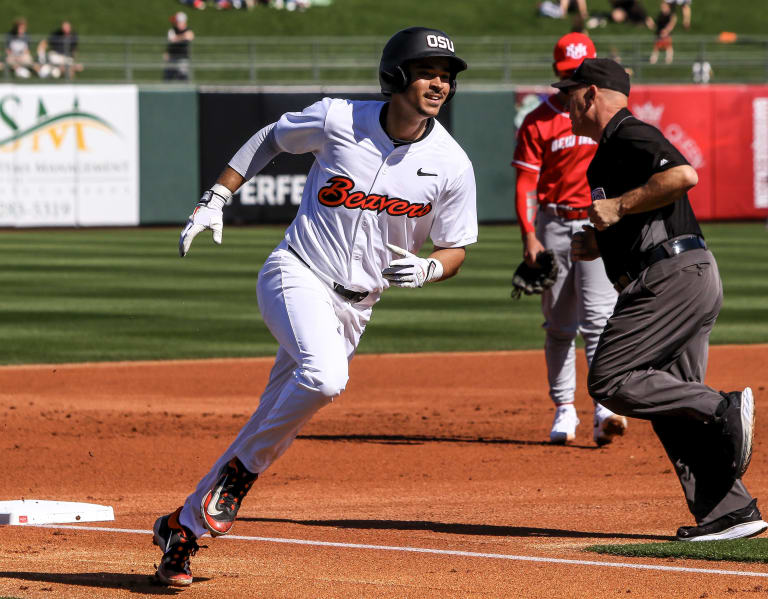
x: 220, y: 505
x: 178, y: 545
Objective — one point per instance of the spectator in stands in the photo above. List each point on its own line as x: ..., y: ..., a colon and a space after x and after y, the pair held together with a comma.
x: 578, y: 10
x: 630, y: 11
x: 57, y: 53
x: 177, y: 52
x: 685, y: 8
x: 561, y: 8
x: 17, y: 54
x: 614, y: 55
x: 291, y: 5
x: 198, y: 4
x: 665, y: 23
x: 222, y: 4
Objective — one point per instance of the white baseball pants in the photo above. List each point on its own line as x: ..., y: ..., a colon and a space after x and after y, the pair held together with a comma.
x: 318, y: 332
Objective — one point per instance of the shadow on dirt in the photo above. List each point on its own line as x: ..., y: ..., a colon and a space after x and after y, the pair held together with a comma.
x: 421, y: 439
x: 465, y: 529
x: 134, y: 583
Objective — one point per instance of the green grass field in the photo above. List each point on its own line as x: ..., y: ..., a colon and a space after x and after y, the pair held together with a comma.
x: 124, y: 294
x: 740, y: 550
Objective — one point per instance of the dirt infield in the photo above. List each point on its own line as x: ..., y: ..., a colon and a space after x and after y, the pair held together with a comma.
x: 437, y: 460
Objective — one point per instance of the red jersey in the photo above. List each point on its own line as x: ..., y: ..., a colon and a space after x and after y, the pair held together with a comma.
x: 547, y: 147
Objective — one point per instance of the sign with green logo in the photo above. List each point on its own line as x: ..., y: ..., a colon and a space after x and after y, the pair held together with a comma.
x: 68, y: 155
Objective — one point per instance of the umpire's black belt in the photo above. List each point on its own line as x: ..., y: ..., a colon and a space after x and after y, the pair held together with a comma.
x: 352, y: 296
x: 666, y: 249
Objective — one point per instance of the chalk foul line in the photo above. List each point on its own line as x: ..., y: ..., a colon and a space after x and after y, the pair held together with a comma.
x: 457, y: 553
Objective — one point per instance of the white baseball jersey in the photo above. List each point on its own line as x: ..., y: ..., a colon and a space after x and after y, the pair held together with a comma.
x: 363, y: 191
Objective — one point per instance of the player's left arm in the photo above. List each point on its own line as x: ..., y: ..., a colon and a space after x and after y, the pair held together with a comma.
x: 451, y: 260
x: 454, y: 226
x: 410, y: 270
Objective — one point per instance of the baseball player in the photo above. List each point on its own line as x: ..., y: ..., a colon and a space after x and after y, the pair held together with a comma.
x: 386, y: 176
x: 551, y: 165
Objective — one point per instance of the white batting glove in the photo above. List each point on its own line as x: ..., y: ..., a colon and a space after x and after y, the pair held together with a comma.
x: 208, y: 214
x: 410, y: 270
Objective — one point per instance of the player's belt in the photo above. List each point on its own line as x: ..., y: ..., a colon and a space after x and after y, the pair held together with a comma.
x: 567, y: 212
x: 352, y: 296
x: 666, y: 249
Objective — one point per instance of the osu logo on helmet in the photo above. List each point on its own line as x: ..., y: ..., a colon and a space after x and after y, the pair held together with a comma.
x: 438, y: 41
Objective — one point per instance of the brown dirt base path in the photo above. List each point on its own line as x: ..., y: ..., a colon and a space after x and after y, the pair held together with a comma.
x: 439, y: 452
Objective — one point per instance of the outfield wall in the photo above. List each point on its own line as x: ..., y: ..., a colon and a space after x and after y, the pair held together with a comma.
x: 88, y: 155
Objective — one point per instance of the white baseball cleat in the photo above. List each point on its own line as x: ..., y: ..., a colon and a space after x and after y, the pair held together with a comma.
x: 564, y: 426
x: 607, y: 426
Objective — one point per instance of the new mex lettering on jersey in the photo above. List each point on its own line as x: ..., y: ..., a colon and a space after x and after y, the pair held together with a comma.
x: 337, y: 193
x: 570, y: 141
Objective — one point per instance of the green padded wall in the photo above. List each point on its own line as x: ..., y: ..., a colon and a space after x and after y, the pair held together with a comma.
x: 483, y: 124
x: 168, y: 155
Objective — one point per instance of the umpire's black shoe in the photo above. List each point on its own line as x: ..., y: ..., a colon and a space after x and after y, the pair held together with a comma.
x: 219, y: 506
x: 743, y: 523
x: 738, y: 421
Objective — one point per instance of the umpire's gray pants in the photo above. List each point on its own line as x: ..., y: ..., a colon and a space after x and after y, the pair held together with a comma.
x: 650, y: 363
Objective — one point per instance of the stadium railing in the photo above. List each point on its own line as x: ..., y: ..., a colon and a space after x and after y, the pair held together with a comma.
x: 354, y: 60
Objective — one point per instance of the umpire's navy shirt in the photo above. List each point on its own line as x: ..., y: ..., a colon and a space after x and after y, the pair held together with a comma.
x: 629, y: 153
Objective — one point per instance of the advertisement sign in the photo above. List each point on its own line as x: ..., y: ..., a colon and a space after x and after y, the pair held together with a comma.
x: 68, y: 155
x: 724, y: 139
x: 760, y: 149
x: 668, y: 108
x: 722, y: 130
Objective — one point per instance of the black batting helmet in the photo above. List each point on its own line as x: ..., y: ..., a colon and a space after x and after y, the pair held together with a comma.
x: 411, y: 44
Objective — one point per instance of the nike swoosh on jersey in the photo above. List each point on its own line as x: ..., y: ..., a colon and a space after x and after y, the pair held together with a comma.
x: 421, y: 173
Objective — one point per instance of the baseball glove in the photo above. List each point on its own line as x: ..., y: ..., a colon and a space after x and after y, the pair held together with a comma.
x: 530, y: 280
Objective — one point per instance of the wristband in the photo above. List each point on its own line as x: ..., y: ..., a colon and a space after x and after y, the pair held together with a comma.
x: 216, y: 197
x: 435, y: 270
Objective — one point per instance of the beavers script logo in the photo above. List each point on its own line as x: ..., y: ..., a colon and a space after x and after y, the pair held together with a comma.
x: 336, y: 193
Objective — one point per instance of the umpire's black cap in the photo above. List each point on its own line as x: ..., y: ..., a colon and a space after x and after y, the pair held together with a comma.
x: 602, y: 72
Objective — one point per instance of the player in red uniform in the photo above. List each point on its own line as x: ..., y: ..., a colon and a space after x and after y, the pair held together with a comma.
x: 551, y: 165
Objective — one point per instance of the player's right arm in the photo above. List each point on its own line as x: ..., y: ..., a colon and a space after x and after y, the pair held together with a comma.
x: 525, y: 196
x: 295, y: 132
x: 527, y: 162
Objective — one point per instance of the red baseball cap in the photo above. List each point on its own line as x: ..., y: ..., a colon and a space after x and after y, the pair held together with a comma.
x: 571, y: 49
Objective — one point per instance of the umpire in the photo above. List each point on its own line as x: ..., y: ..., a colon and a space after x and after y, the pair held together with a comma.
x: 652, y: 355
